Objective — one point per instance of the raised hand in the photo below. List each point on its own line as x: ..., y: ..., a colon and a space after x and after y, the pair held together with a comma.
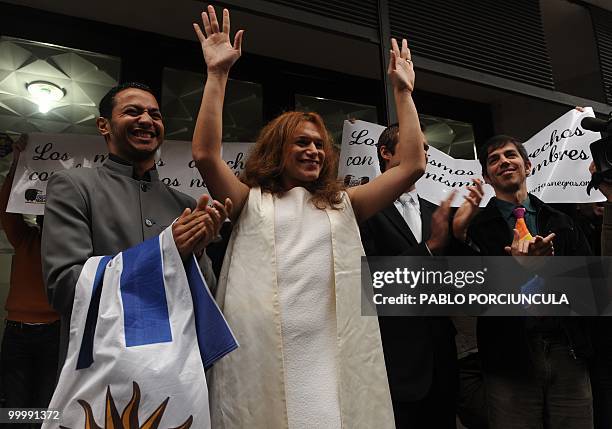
x: 219, y: 53
x: 468, y: 210
x: 401, y: 71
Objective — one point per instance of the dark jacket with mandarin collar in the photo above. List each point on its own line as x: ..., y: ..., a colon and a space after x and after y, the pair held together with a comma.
x: 101, y: 211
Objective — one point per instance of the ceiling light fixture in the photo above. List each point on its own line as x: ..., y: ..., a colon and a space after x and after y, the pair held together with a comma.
x: 44, y: 94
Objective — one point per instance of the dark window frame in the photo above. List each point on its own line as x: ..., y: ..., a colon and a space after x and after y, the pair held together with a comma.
x: 144, y: 55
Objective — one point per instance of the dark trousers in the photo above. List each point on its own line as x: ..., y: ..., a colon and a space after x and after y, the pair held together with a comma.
x: 557, y: 395
x: 29, y: 365
x: 436, y: 410
x: 601, y: 376
x: 601, y: 371
x: 433, y: 411
x: 472, y: 402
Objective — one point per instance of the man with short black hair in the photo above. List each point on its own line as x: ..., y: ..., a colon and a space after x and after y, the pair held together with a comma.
x: 535, y: 368
x: 105, y: 210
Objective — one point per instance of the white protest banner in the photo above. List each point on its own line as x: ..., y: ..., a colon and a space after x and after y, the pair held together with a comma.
x: 47, y: 153
x: 359, y: 164
x: 560, y: 158
x: 445, y: 174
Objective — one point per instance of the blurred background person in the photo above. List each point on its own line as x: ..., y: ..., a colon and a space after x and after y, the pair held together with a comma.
x: 31, y: 333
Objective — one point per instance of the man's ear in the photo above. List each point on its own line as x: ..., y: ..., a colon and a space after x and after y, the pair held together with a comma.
x: 485, y: 176
x: 527, y: 168
x: 103, y: 126
x: 385, y: 153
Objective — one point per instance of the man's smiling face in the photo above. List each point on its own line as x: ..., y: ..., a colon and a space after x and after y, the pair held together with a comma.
x: 135, y: 129
x: 506, y: 168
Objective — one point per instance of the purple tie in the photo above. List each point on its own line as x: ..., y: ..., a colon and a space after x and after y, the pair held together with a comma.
x: 519, y: 212
x: 521, y: 226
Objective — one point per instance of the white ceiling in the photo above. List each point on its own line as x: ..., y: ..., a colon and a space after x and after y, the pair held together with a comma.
x: 84, y: 77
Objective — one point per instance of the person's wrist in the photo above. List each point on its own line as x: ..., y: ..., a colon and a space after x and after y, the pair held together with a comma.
x: 406, y: 91
x: 184, y: 255
x: 217, y: 72
x: 460, y: 234
x: 199, y: 252
x: 434, y: 245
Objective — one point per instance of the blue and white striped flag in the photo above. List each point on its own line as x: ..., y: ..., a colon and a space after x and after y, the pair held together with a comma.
x: 144, y: 327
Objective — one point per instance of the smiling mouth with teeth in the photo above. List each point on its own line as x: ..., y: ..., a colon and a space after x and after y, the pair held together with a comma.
x: 144, y: 134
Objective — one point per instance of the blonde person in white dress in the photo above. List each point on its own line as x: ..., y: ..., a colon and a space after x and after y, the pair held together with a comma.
x: 290, y: 283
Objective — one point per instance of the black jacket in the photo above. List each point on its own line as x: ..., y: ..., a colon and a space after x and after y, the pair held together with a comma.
x: 416, y: 348
x: 502, y: 341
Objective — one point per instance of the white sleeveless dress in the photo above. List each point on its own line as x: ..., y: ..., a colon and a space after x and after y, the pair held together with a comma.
x: 307, y: 357
x: 308, y: 311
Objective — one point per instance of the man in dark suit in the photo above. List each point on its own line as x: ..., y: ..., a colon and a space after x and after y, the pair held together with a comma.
x: 420, y: 352
x: 535, y: 368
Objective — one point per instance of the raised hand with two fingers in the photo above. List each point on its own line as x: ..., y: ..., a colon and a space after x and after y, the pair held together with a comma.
x: 401, y: 70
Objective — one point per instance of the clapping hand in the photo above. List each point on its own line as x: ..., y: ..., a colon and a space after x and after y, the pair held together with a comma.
x: 522, y: 250
x: 218, y: 213
x: 468, y: 210
x: 439, y: 226
x: 195, y: 229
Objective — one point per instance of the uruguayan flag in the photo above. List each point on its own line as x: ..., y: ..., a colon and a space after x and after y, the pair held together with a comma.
x: 144, y: 327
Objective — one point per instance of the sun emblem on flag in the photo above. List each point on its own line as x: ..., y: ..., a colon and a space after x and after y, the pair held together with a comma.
x: 129, y: 416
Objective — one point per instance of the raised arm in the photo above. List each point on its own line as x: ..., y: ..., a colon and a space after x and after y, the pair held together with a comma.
x: 372, y: 197
x: 219, y: 55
